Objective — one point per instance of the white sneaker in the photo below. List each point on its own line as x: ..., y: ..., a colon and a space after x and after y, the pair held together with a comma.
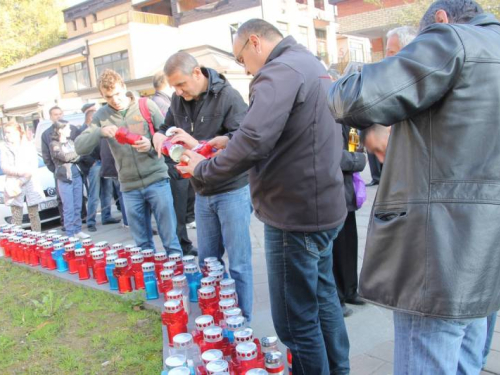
x: 191, y: 225
x: 82, y: 235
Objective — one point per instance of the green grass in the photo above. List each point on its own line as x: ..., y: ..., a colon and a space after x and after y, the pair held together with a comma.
x: 48, y: 326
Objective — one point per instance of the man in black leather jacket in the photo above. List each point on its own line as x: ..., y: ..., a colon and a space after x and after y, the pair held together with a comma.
x: 432, y: 245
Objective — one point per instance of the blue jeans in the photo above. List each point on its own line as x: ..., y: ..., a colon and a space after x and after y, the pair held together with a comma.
x: 95, y: 194
x: 305, y: 306
x: 223, y: 224
x: 425, y: 345
x: 156, y: 198
x: 490, y: 330
x: 71, y: 196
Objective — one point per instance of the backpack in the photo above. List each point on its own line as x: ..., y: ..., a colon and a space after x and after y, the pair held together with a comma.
x: 143, y: 108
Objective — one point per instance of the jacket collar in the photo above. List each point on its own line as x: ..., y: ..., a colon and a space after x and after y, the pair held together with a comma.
x: 484, y: 19
x: 281, y: 47
x: 216, y: 81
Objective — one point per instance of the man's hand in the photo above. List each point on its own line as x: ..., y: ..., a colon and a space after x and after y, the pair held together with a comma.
x: 220, y: 142
x: 142, y: 145
x: 109, y: 131
x: 192, y: 159
x: 180, y: 136
x: 158, y: 140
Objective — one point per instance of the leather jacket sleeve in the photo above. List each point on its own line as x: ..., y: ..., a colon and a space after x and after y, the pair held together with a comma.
x: 401, y: 86
x: 352, y: 161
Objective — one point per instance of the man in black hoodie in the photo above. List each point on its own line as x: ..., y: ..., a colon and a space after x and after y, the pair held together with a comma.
x: 204, y: 106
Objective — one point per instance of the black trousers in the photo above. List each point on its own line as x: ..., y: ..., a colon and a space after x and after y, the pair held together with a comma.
x: 345, y: 259
x: 180, y: 193
x: 375, y: 167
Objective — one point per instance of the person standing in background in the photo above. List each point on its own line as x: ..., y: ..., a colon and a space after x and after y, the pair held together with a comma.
x: 19, y: 162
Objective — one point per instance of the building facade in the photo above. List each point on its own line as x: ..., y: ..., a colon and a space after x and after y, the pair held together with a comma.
x: 136, y: 37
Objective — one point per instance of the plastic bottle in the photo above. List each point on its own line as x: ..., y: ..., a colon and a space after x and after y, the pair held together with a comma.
x: 87, y: 245
x: 149, y: 279
x: 247, y: 354
x: 194, y: 280
x: 213, y: 339
x: 175, y: 361
x: 227, y: 284
x: 274, y: 363
x: 206, y: 261
x: 160, y: 258
x: 99, y: 267
x: 188, y: 259
x: 25, y: 258
x: 234, y: 324
x: 121, y: 272
x: 201, y: 322
x: 269, y: 344
x: 110, y: 266
x: 81, y: 261
x: 149, y: 255
x: 90, y: 259
x: 120, y: 250
x: 207, y: 300
x: 224, y: 304
x: 184, y: 344
x: 69, y: 257
x: 289, y: 360
x: 175, y: 318
x: 48, y: 249
x: 136, y: 270
x: 228, y: 294
x: 34, y: 259
x: 180, y: 283
x: 218, y: 367
x: 165, y: 285
x: 179, y: 266
x: 15, y: 249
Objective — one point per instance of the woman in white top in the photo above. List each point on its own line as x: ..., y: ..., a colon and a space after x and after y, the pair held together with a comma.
x: 19, y: 162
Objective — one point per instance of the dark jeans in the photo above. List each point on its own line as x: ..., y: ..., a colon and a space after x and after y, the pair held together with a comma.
x: 305, y: 307
x: 345, y: 259
x: 180, y: 193
x: 375, y: 167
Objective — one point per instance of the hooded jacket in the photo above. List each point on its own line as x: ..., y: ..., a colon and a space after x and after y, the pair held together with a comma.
x: 434, y: 233
x: 291, y: 144
x: 221, y: 111
x: 136, y: 170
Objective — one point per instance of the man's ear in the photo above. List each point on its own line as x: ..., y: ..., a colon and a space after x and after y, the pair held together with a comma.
x: 197, y: 72
x: 441, y: 17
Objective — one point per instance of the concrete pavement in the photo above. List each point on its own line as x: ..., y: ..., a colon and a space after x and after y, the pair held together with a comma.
x: 370, y: 327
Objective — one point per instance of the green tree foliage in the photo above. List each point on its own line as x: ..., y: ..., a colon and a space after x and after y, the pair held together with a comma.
x: 28, y: 27
x: 413, y: 12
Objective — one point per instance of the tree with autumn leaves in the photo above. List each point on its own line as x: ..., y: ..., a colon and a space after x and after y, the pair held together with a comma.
x: 28, y: 27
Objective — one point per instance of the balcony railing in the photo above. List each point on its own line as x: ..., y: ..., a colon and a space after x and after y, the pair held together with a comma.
x: 132, y: 16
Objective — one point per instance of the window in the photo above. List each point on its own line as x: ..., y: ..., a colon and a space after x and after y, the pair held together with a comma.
x: 76, y: 77
x: 303, y: 36
x: 301, y: 1
x: 320, y: 4
x: 94, y: 17
x: 283, y: 27
x: 74, y: 25
x: 117, y: 61
x: 321, y: 45
x: 84, y: 22
x: 356, y: 52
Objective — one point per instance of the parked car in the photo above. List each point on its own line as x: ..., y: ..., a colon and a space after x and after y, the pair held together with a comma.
x: 47, y: 209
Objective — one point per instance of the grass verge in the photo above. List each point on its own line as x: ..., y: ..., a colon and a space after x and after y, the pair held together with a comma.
x: 48, y: 326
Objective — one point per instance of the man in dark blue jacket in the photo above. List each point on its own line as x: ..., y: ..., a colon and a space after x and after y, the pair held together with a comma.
x: 204, y: 106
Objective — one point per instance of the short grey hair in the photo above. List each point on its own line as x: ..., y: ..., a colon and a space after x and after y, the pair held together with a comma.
x: 159, y: 80
x: 458, y: 11
x: 405, y: 35
x: 180, y: 61
x: 259, y: 27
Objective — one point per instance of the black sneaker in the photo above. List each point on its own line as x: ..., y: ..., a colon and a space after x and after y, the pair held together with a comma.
x: 112, y: 220
x: 193, y: 251
x: 92, y: 229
